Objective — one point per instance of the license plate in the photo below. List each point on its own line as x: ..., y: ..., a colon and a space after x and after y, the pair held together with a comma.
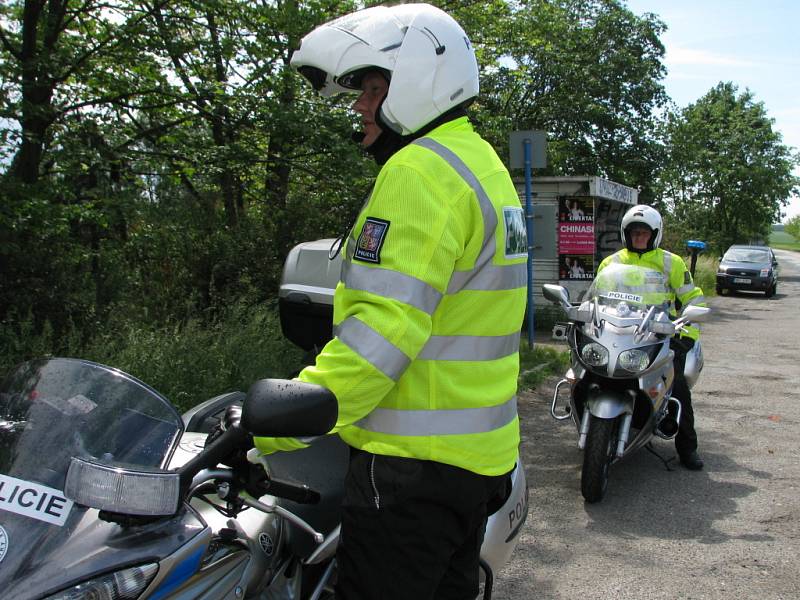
x: 740, y: 280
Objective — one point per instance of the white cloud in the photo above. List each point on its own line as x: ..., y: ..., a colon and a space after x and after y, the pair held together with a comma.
x: 702, y: 58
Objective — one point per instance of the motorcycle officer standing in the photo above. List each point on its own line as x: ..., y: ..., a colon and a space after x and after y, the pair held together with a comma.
x: 642, y: 229
x: 427, y: 315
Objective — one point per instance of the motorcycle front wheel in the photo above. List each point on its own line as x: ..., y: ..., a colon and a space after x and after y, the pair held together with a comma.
x: 597, y: 456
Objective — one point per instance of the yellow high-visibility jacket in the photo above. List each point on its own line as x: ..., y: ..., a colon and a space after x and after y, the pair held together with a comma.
x: 678, y: 277
x: 427, y: 315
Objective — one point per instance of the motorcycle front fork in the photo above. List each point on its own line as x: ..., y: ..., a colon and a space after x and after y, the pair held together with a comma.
x: 623, y: 432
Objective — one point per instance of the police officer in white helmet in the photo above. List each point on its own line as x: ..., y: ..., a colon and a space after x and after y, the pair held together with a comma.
x: 427, y: 316
x: 642, y: 229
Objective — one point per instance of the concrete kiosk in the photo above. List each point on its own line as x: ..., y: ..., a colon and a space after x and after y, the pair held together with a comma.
x: 576, y: 222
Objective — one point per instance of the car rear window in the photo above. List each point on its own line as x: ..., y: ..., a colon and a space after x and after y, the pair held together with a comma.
x: 746, y: 255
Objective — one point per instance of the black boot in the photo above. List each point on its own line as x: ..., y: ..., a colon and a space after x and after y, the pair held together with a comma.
x: 692, y: 461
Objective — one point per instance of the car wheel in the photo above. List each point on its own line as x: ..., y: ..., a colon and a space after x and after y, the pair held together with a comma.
x: 721, y: 291
x: 771, y: 291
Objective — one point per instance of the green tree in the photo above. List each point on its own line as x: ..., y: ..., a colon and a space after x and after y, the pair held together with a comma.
x: 728, y: 173
x: 792, y: 227
x: 588, y: 72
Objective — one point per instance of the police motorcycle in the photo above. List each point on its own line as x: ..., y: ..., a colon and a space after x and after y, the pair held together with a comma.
x: 106, y: 492
x: 620, y: 380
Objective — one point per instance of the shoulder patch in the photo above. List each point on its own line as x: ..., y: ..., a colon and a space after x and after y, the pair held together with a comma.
x: 687, y: 277
x: 516, y: 245
x: 370, y: 240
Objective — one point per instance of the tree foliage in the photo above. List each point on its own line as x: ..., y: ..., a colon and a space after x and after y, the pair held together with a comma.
x: 159, y: 158
x: 588, y: 72
x: 792, y: 227
x: 728, y: 174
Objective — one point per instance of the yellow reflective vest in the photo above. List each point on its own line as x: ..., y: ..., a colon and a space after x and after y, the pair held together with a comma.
x: 678, y: 277
x: 427, y: 315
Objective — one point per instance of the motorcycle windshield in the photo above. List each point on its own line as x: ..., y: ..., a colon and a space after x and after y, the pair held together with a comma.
x: 629, y: 290
x: 50, y: 411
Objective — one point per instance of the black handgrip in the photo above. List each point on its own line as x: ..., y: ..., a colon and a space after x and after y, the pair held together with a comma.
x: 297, y: 492
x: 231, y: 441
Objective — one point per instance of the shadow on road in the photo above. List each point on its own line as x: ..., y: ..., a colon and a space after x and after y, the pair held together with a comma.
x: 646, y: 500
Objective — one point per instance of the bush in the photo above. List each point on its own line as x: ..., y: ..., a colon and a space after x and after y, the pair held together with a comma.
x: 186, y: 362
x: 705, y: 274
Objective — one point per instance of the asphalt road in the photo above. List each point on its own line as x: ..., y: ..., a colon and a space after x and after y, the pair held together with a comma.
x: 729, y: 531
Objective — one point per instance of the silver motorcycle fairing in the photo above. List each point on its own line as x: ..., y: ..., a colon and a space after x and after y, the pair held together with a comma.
x: 504, y: 526
x: 84, y: 548
x: 694, y: 364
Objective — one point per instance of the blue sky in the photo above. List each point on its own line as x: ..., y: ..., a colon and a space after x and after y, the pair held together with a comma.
x: 748, y: 42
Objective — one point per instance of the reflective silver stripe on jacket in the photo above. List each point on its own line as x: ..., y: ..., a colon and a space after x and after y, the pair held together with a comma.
x: 485, y: 275
x: 667, y: 268
x: 373, y: 347
x: 439, y: 422
x: 696, y: 300
x: 469, y: 347
x: 684, y: 289
x: 653, y: 288
x: 391, y: 284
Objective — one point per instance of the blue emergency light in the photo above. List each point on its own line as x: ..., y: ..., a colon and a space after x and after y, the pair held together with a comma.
x: 696, y: 244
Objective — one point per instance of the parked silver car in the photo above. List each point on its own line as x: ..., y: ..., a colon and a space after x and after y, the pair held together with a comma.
x: 750, y: 268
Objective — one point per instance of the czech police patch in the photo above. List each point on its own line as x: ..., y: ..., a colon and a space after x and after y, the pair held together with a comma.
x: 370, y: 241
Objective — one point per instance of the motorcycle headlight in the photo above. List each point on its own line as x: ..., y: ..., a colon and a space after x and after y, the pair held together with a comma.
x: 634, y: 360
x: 127, y: 584
x: 594, y: 355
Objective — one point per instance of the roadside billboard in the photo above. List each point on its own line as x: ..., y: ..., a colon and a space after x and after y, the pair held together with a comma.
x: 576, y: 239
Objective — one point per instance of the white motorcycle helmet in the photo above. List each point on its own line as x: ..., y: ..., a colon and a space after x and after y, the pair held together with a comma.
x: 427, y: 57
x: 643, y: 215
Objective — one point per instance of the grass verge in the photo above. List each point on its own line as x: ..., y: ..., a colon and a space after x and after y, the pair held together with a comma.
x: 539, y: 363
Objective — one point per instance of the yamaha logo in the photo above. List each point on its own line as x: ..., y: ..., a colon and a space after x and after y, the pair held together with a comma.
x: 266, y: 543
x: 3, y: 543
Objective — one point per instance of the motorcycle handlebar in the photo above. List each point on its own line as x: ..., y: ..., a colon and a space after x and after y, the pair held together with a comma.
x: 297, y: 492
x: 235, y: 438
x: 232, y: 440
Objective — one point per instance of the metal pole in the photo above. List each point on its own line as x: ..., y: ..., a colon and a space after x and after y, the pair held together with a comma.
x: 529, y: 226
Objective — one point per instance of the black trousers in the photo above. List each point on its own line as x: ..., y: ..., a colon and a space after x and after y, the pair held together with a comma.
x: 412, y: 529
x: 686, y: 440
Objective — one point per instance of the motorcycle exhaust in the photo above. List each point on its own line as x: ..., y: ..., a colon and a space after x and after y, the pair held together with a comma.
x: 667, y: 427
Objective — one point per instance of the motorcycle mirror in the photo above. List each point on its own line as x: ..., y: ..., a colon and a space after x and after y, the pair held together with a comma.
x: 662, y: 327
x: 578, y: 314
x: 288, y: 408
x: 556, y: 294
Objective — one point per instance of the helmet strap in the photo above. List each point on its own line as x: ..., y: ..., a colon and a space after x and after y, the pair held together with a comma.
x: 389, y: 141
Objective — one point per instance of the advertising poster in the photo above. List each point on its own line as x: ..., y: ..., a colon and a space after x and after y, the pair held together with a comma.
x: 576, y: 242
